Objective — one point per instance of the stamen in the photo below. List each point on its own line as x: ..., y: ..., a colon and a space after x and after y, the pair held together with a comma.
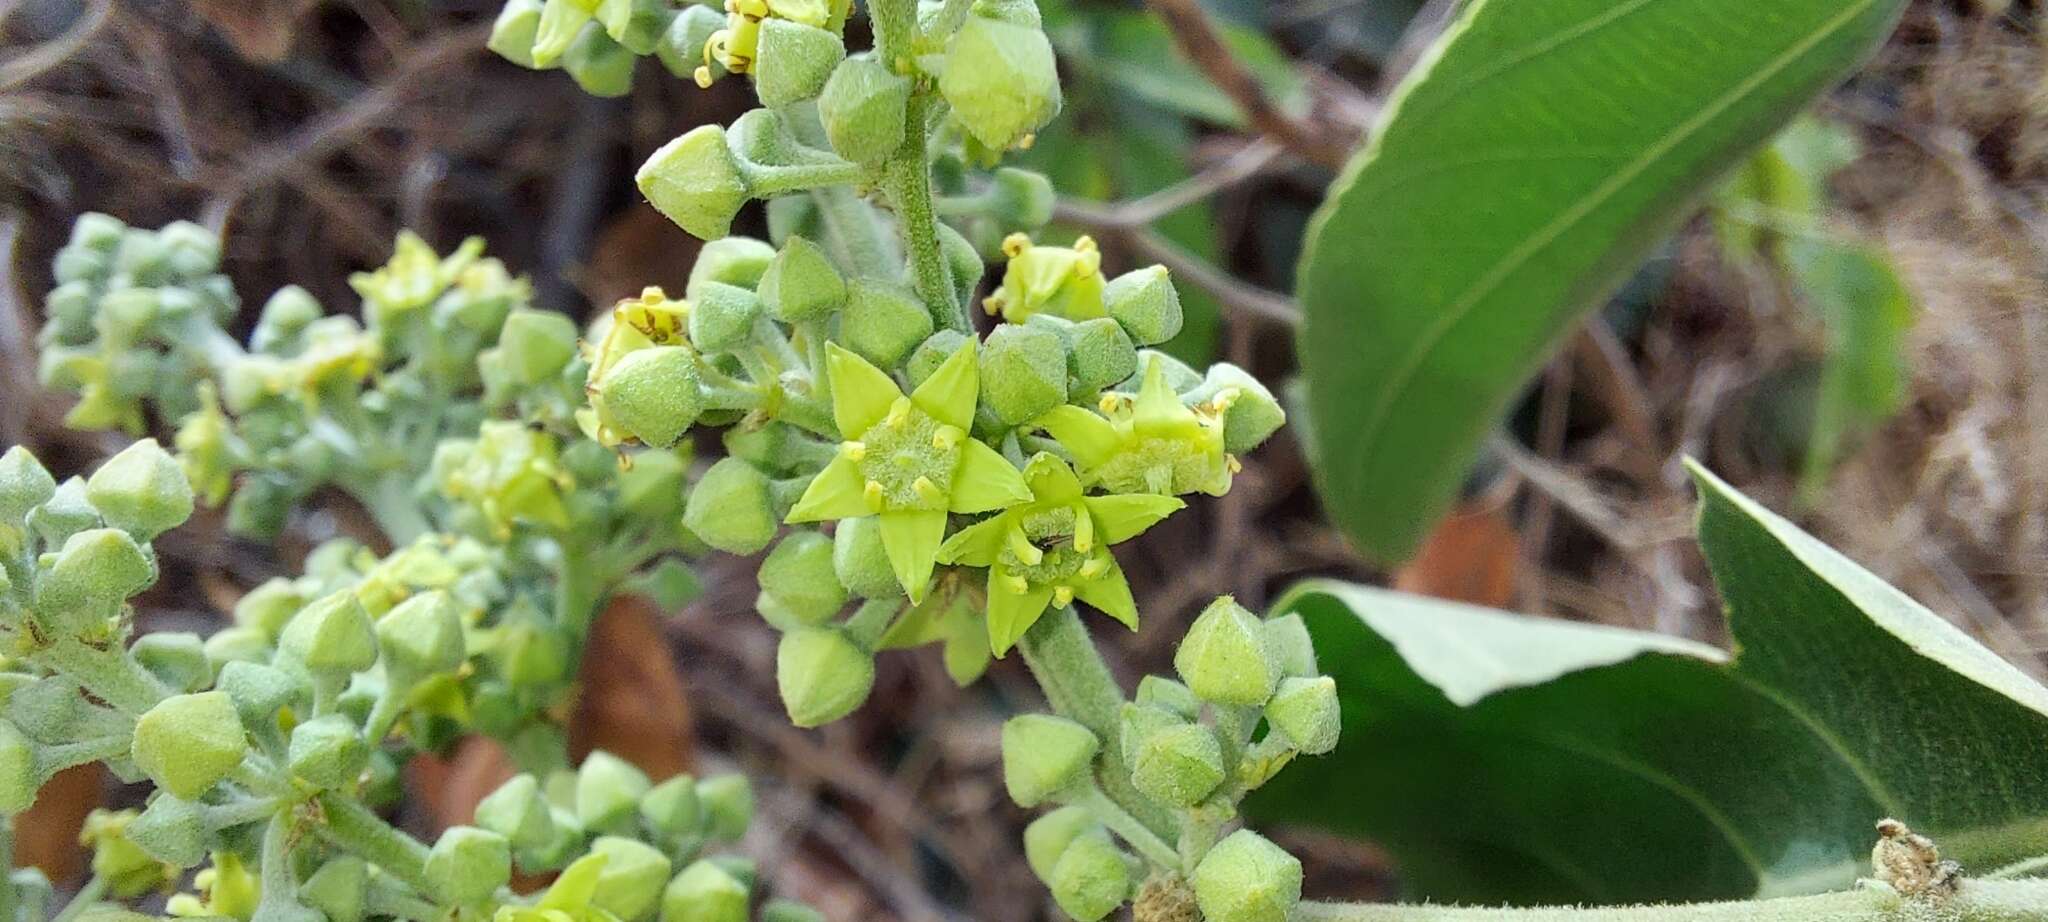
x: 1062, y: 595
x: 853, y: 451
x: 946, y: 438
x: 1094, y: 567
x: 1015, y: 244
x: 927, y: 490
x: 1021, y: 545
x: 874, y: 494
x: 1018, y: 584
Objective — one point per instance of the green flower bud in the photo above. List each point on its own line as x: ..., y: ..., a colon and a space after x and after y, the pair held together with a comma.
x: 1020, y: 200
x: 738, y: 261
x: 671, y: 809
x: 286, y: 315
x: 801, y: 283
x: 932, y: 353
x: 186, y: 743
x: 1044, y: 756
x: 1047, y: 838
x: 883, y: 321
x: 634, y: 876
x: 729, y: 801
x: 141, y: 491
x: 1288, y: 640
x: 799, y: 574
x: 177, y: 658
x: 681, y: 48
x: 128, y: 871
x: 652, y: 489
x: 560, y: 23
x: 1091, y: 879
x: 732, y: 509
x: 421, y: 636
x: 797, y: 215
x: 517, y: 811
x: 608, y: 791
x: 638, y: 25
x: 18, y: 782
x: 171, y: 830
x: 862, y: 106
x: 88, y: 579
x: 1145, y: 303
x: 514, y: 31
x: 694, y: 181
x: 963, y: 261
x: 795, y: 61
x: 1250, y: 413
x: 1178, y: 766
x: 536, y: 345
x: 328, y: 752
x: 331, y: 634
x: 532, y: 655
x: 1308, y: 712
x: 1224, y: 657
x: 64, y: 514
x: 97, y: 232
x: 861, y: 561
x: 338, y: 889
x: 467, y: 865
x: 1168, y: 695
x: 1246, y: 878
x: 704, y: 892
x: 1001, y: 81
x: 600, y: 66
x: 789, y: 911
x: 652, y: 394
x: 822, y: 675
x: 564, y: 845
x: 722, y: 316
x: 259, y: 508
x: 1101, y: 354
x: 1023, y: 372
x: 24, y: 484
x: 235, y: 645
x: 1137, y: 722
x: 260, y: 693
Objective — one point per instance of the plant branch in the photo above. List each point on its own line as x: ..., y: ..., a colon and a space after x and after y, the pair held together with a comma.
x: 906, y: 178
x: 1077, y: 683
x: 1199, y: 41
x: 1249, y: 161
x: 1976, y: 901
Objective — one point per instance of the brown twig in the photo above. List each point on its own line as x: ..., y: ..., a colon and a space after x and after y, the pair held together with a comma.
x: 1198, y: 39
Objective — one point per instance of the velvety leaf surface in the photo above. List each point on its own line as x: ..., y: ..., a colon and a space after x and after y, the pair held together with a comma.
x: 1521, y: 172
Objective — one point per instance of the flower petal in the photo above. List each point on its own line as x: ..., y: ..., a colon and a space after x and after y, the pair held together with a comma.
x: 1052, y: 481
x: 1110, y: 593
x: 861, y: 393
x: 1010, y: 612
x: 1091, y: 439
x: 949, y: 394
x: 912, y: 540
x: 985, y: 480
x: 1125, y: 516
x: 838, y: 492
x: 978, y: 544
x: 1157, y: 406
x: 577, y: 885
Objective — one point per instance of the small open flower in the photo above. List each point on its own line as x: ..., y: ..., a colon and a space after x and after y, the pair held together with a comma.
x: 735, y: 46
x: 908, y: 460
x: 1054, y: 549
x: 649, y: 321
x: 1061, y: 281
x: 1153, y: 444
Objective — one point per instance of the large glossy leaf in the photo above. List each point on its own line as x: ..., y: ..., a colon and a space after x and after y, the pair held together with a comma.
x: 1522, y: 170
x: 1512, y: 759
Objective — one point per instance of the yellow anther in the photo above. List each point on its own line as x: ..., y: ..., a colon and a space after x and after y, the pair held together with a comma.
x: 1018, y: 583
x: 1236, y: 466
x: 1021, y: 546
x: 993, y: 304
x: 1085, y: 244
x: 899, y: 413
x: 1224, y: 398
x: 1094, y: 567
x: 946, y: 438
x: 853, y: 451
x: 1110, y: 403
x: 1084, y: 531
x: 1025, y: 142
x: 927, y: 490
x: 703, y: 77
x: 874, y: 494
x: 1016, y: 244
x: 1062, y: 595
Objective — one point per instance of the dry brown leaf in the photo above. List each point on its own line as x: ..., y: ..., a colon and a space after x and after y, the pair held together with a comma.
x: 260, y: 30
x: 1472, y: 557
x: 632, y: 703
x: 637, y: 249
x: 46, y: 836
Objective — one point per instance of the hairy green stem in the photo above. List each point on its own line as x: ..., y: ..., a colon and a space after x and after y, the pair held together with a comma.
x: 110, y: 674
x: 1079, y: 687
x: 895, y: 27
x: 352, y: 826
x: 86, y: 896
x: 907, y: 180
x: 8, y: 903
x: 390, y: 501
x: 1133, y: 832
x: 1976, y: 901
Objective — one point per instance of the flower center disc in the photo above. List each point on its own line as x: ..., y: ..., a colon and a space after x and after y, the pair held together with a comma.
x: 906, y: 447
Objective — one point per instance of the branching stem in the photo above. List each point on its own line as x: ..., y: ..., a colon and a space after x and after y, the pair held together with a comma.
x: 1977, y: 901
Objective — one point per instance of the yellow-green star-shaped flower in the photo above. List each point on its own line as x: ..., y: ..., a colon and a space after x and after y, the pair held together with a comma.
x: 1055, y: 549
x: 1153, y: 444
x: 1061, y: 281
x: 908, y: 460
x: 568, y: 899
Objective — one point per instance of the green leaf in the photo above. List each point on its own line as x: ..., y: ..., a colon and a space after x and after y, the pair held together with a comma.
x: 1531, y: 161
x: 1512, y: 759
x: 1867, y: 312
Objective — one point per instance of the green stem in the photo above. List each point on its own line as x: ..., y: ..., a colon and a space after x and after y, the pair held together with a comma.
x: 870, y: 621
x: 855, y: 236
x: 895, y: 27
x: 351, y: 826
x: 1133, y: 832
x: 87, y: 895
x: 577, y: 593
x: 390, y: 501
x: 952, y: 15
x: 1079, y: 687
x: 907, y: 180
x: 1976, y: 901
x: 109, y: 674
x: 769, y: 181
x: 9, y: 903
x: 280, y: 885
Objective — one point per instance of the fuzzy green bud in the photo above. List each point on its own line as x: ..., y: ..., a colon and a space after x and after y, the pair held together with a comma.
x: 331, y: 634
x: 608, y: 790
x: 1001, y: 80
x: 186, y: 743
x: 467, y: 865
x: 732, y: 509
x: 24, y: 484
x: 1020, y: 200
x: 1307, y: 711
x: 794, y: 61
x: 1246, y: 878
x: 141, y: 490
x: 327, y: 752
x: 1137, y: 722
x: 862, y: 562
x: 88, y: 578
x: 722, y: 316
x: 1288, y: 640
x: 602, y: 67
x: 704, y: 892
x: 1178, y: 766
x: 1047, y: 838
x: 1250, y: 413
x: 235, y: 645
x: 338, y: 889
x: 517, y: 811
x: 1101, y: 354
x: 801, y: 283
x: 536, y: 345
x: 171, y: 830
x: 1145, y: 303
x: 269, y: 606
x: 1167, y: 695
x: 421, y: 636
x: 653, y: 394
x: 729, y: 802
x: 862, y: 106
x: 681, y: 48
x: 637, y: 25
x: 564, y: 844
x: 883, y: 321
x: 799, y: 575
x: 514, y: 31
x: 177, y: 658
x: 633, y: 877
x: 1023, y: 372
x: 695, y: 182
x: 1044, y: 756
x: 18, y: 782
x: 671, y: 809
x: 732, y: 260
x: 1091, y: 879
x: 789, y: 911
x: 963, y: 262
x: 932, y: 353
x: 64, y: 514
x: 822, y: 675
x: 260, y: 693
x: 1224, y: 657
